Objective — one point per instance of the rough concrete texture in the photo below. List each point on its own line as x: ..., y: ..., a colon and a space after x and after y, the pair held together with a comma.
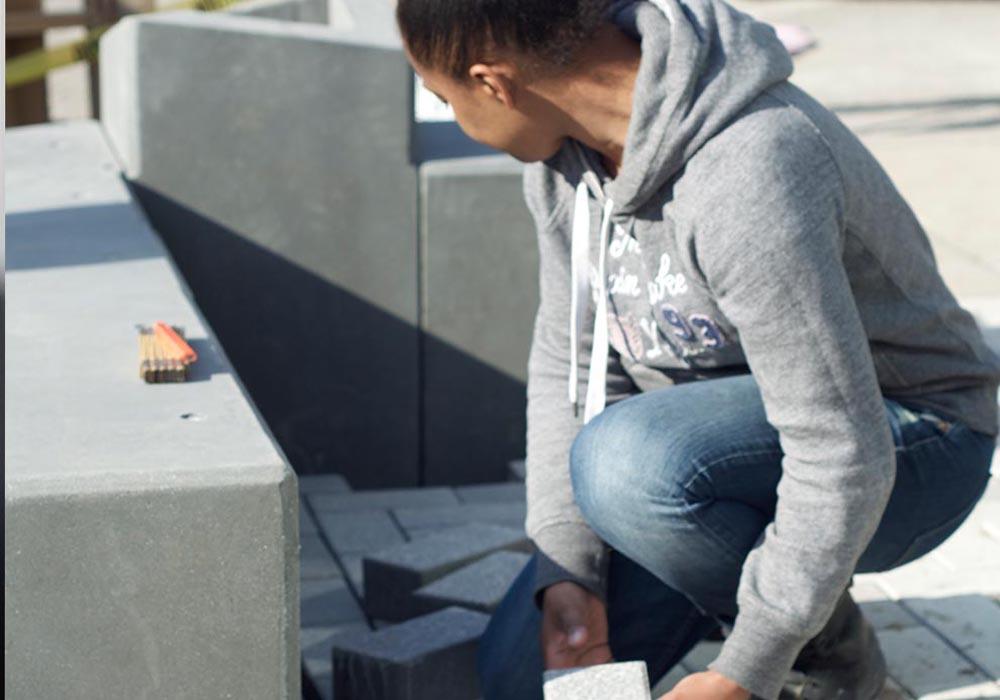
x: 429, y: 657
x: 151, y: 530
x: 625, y: 680
x: 478, y: 586
x: 391, y: 575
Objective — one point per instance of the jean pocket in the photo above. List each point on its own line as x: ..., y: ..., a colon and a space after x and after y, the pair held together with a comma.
x: 929, y: 540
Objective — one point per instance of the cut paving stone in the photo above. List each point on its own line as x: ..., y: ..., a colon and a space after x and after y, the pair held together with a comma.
x: 429, y: 657
x: 315, y: 560
x: 478, y: 586
x: 511, y: 514
x: 307, y: 525
x: 312, y: 484
x: 317, y: 667
x: 491, y: 493
x: 328, y: 602
x: 625, y: 680
x: 383, y: 499
x: 355, y: 532
x: 971, y: 621
x: 392, y: 575
x: 924, y: 664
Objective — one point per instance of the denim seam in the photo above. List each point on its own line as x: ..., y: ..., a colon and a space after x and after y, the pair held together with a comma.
x: 729, y: 457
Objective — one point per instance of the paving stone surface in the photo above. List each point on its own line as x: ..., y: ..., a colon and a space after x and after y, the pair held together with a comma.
x: 316, y: 644
x: 511, y: 513
x: 328, y: 602
x: 491, y: 493
x: 313, y: 484
x: 478, y: 586
x: 354, y: 532
x: 392, y: 575
x: 625, y: 680
x: 516, y: 468
x: 315, y: 560
x: 384, y: 498
x: 432, y: 656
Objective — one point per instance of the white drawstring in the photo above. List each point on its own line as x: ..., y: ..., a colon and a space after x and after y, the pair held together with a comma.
x: 580, y: 283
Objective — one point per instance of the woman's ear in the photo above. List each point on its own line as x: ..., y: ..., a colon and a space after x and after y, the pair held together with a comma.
x: 495, y: 80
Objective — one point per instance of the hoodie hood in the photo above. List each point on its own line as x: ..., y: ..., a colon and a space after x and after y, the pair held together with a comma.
x: 702, y: 62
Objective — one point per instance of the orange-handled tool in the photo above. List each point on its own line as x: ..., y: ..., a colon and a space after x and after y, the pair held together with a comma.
x: 184, y: 352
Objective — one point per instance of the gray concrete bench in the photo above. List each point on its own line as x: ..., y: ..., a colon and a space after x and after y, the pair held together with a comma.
x: 151, y: 530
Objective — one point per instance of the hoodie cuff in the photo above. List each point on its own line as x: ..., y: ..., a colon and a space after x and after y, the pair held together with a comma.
x: 758, y: 655
x: 570, y: 552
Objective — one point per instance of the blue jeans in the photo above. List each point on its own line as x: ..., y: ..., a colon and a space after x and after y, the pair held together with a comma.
x: 680, y: 528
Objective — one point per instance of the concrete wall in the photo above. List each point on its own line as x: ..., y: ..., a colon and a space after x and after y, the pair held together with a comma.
x: 151, y: 530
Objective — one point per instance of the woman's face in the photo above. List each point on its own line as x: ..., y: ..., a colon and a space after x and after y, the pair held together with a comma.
x: 494, y: 109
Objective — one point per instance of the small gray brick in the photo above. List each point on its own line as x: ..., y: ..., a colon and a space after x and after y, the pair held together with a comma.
x: 312, y: 484
x: 392, y: 575
x: 625, y: 680
x: 491, y: 493
x: 315, y: 560
x: 353, y: 567
x: 429, y: 657
x: 516, y: 469
x: 316, y: 644
x: 355, y: 532
x: 307, y: 526
x: 511, y: 514
x: 327, y: 602
x: 383, y: 499
x: 478, y: 586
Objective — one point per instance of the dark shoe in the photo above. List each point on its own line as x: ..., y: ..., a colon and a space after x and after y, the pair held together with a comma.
x: 843, y: 662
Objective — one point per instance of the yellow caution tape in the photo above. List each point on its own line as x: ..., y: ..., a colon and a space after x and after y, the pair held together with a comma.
x: 33, y: 65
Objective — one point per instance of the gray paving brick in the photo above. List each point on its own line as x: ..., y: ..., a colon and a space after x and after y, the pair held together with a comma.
x: 429, y: 657
x: 315, y: 560
x: 624, y: 680
x: 316, y: 644
x: 887, y: 614
x: 516, y: 468
x: 313, y: 484
x: 354, y: 532
x: 353, y: 568
x: 491, y: 493
x: 307, y: 526
x: 478, y: 586
x: 511, y: 514
x: 383, y: 499
x: 392, y: 575
x: 923, y: 664
x: 328, y: 602
x: 971, y: 622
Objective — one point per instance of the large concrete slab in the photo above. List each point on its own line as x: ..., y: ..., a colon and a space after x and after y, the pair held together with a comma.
x: 480, y: 296
x: 278, y: 174
x: 151, y: 530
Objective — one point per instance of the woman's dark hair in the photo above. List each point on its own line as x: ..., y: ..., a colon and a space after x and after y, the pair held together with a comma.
x: 449, y: 35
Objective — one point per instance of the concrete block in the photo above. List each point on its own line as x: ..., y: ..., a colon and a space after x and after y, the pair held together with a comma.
x: 354, y: 570
x: 432, y: 656
x: 352, y: 532
x: 327, y: 602
x: 625, y: 680
x: 701, y: 655
x: 392, y: 575
x: 511, y: 514
x: 491, y: 493
x: 328, y: 216
x: 971, y: 622
x: 317, y: 663
x: 150, y: 529
x: 315, y: 560
x: 384, y: 498
x: 312, y: 484
x: 924, y: 664
x: 307, y: 525
x: 478, y: 586
x: 479, y: 315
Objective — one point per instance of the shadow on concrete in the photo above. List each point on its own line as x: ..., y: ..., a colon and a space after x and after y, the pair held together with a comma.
x: 922, y: 117
x: 339, y: 381
x: 76, y: 236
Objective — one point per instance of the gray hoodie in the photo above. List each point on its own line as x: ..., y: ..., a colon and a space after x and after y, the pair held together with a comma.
x: 747, y: 230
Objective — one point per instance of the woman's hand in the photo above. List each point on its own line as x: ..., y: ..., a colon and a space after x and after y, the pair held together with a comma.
x: 707, y: 685
x: 574, y: 627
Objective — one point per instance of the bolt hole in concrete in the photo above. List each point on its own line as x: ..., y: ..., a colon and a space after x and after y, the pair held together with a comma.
x: 190, y: 416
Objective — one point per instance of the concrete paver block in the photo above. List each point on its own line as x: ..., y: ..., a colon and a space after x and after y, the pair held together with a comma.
x: 428, y: 657
x: 478, y: 586
x: 311, y: 484
x: 327, y: 602
x: 624, y: 680
x: 307, y: 525
x: 353, y: 532
x: 924, y: 664
x: 392, y: 575
x: 516, y: 469
x: 511, y: 514
x: 150, y: 529
x: 491, y: 493
x: 973, y: 621
x: 317, y: 646
x: 315, y: 560
x: 384, y: 498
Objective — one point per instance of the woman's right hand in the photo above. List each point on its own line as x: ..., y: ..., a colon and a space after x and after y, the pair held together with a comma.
x: 574, y: 627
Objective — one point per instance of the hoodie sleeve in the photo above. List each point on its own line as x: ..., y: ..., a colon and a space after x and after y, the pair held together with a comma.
x: 567, y: 548
x: 772, y: 253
